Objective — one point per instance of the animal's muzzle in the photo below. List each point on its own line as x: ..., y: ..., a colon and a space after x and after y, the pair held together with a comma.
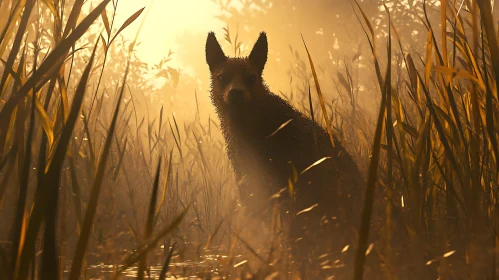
x: 236, y: 97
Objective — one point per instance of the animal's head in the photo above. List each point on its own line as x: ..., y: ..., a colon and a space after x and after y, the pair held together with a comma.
x: 236, y: 81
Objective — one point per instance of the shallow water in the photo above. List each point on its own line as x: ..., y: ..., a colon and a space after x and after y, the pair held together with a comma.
x: 209, y: 267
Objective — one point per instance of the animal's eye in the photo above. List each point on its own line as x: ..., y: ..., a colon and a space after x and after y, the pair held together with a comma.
x: 250, y: 79
x: 223, y: 78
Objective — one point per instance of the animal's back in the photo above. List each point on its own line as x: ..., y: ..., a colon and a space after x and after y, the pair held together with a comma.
x: 280, y: 138
x: 332, y: 189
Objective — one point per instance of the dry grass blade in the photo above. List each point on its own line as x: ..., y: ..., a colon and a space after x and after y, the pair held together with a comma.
x: 42, y: 114
x: 372, y: 44
x: 371, y: 30
x: 441, y: 133
x: 489, y: 112
x: 23, y: 168
x: 489, y: 115
x: 120, y: 159
x: 177, y: 142
x: 372, y: 177
x: 390, y: 139
x: 14, y: 16
x: 106, y: 23
x: 165, y: 186
x: 73, y: 17
x: 51, y: 6
x: 9, y: 158
x: 95, y: 191
x: 46, y: 124
x: 50, y: 260
x: 176, y: 128
x: 311, y: 106
x: 150, y: 218
x: 319, y: 93
x: 89, y: 141
x: 12, y: 74
x: 16, y: 45
x: 160, y: 120
x: 11, y: 153
x: 129, y: 21
x: 76, y: 192
x: 488, y: 24
x: 144, y: 249
x: 217, y: 228
x: 48, y: 193
x: 49, y: 66
x: 253, y: 252
x: 164, y: 270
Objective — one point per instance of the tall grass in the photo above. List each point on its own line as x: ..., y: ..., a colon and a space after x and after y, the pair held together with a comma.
x: 86, y: 176
x: 42, y: 205
x: 441, y: 146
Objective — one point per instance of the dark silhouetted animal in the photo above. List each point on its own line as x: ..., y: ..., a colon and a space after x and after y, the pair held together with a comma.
x: 266, y: 139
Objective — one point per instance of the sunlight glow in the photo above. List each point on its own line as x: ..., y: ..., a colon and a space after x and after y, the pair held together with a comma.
x: 166, y: 21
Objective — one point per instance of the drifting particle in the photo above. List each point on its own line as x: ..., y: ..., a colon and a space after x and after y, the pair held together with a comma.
x: 280, y: 127
x: 369, y: 249
x: 307, y: 209
x: 272, y: 276
x: 450, y: 253
x: 314, y: 164
x: 345, y: 248
x: 241, y: 263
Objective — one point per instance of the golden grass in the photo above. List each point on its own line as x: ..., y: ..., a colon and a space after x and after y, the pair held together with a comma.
x: 71, y: 162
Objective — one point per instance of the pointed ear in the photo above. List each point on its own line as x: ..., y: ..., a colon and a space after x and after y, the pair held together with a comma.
x: 258, y: 55
x: 214, y: 53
